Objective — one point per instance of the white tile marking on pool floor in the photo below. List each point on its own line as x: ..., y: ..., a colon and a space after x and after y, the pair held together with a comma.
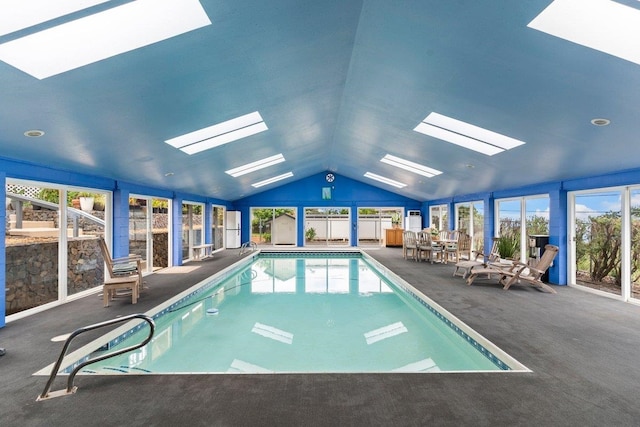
x: 385, y: 332
x: 273, y: 333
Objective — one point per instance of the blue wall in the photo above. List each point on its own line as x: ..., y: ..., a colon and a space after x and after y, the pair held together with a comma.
x: 307, y: 192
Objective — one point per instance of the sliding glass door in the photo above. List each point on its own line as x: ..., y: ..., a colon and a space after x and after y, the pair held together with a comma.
x: 149, y: 231
x: 327, y: 226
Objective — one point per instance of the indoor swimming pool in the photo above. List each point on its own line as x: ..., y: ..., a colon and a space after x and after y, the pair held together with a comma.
x: 299, y: 313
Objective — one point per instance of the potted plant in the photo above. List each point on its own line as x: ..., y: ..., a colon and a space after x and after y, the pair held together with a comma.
x: 507, y: 246
x: 395, y: 220
x: 86, y: 201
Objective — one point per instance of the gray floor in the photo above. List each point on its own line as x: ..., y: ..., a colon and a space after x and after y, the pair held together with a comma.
x: 583, y: 350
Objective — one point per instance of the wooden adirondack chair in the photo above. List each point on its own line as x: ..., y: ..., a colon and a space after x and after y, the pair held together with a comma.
x: 520, y: 272
x: 121, y: 273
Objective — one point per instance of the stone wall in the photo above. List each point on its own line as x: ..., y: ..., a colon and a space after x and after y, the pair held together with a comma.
x: 31, y: 275
x: 32, y: 271
x: 160, y: 248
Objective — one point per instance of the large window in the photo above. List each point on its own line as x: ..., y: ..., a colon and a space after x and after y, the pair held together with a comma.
x: 50, y: 226
x: 149, y: 231
x: 372, y: 223
x: 470, y: 219
x: 597, y: 239
x: 533, y: 212
x: 274, y: 226
x: 192, y: 228
x: 217, y: 227
x: 439, y: 217
x: 327, y: 226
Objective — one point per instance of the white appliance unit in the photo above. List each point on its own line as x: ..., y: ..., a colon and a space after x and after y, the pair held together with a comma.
x: 413, y: 221
x: 232, y: 230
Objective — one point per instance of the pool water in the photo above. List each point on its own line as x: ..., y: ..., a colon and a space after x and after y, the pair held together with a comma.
x: 302, y: 314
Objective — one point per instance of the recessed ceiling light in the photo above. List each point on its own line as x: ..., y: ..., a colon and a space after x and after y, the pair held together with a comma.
x: 466, y: 135
x: 410, y: 166
x: 603, y: 25
x: 35, y: 133
x: 469, y: 166
x: 272, y: 180
x: 384, y: 180
x: 257, y: 165
x: 102, y: 35
x: 169, y: 174
x: 219, y: 134
x: 600, y: 122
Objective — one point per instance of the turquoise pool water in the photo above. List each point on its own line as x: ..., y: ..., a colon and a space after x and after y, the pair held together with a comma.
x: 304, y: 314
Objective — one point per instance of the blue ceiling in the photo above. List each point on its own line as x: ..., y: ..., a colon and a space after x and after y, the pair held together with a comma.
x: 339, y: 83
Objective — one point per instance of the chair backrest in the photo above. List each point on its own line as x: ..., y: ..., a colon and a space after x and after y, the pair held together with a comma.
x: 125, y: 267
x: 464, y: 241
x: 106, y: 255
x: 464, y: 244
x: 410, y: 239
x: 550, y: 252
x: 424, y: 238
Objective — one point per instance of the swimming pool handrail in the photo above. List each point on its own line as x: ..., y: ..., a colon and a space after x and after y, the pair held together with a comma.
x: 70, y: 387
x: 245, y: 245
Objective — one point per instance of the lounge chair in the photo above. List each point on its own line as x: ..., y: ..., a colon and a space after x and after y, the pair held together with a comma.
x: 121, y: 273
x: 519, y: 272
x: 478, y: 259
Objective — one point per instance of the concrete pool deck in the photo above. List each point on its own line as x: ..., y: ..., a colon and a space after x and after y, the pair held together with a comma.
x: 581, y: 348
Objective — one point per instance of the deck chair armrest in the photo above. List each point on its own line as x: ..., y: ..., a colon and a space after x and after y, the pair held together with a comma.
x: 536, y: 272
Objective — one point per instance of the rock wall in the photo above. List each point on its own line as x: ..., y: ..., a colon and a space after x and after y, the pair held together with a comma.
x: 32, y: 272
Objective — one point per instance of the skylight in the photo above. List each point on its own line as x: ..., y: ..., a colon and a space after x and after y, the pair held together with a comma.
x: 102, y: 35
x: 384, y: 180
x: 257, y: 165
x: 16, y: 15
x: 466, y: 135
x: 219, y: 134
x: 603, y: 25
x: 410, y: 166
x: 272, y: 180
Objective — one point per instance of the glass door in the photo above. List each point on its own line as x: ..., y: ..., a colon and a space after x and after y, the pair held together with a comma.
x: 192, y: 216
x: 327, y: 226
x: 470, y: 220
x: 149, y: 231
x: 274, y: 226
x: 373, y: 223
x: 217, y: 227
x: 439, y: 218
x: 597, y: 240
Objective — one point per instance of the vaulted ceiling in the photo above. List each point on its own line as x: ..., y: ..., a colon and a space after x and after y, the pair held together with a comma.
x: 339, y: 85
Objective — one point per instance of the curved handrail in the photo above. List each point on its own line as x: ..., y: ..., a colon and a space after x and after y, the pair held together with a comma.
x: 245, y: 245
x: 70, y: 387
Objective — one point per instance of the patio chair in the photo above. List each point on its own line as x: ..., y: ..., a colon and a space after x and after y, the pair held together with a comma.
x: 425, y: 245
x: 454, y: 250
x: 410, y: 244
x: 121, y: 273
x: 478, y: 259
x: 519, y: 272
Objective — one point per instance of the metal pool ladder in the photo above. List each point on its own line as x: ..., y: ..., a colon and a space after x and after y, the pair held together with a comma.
x: 71, y: 389
x: 248, y: 245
